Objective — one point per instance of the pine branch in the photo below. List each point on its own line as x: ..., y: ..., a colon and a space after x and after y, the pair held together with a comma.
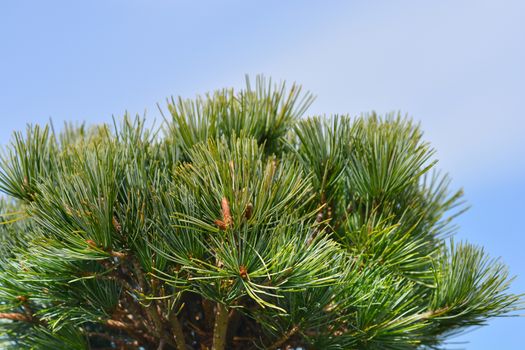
x: 221, y: 327
x: 14, y: 316
x: 131, y: 330
x: 121, y: 343
x: 178, y: 333
x: 286, y: 336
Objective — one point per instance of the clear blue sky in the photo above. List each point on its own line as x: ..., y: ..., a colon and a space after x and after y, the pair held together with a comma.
x: 457, y: 66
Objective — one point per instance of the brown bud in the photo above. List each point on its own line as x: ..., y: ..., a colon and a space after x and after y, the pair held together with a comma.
x: 248, y: 211
x: 320, y: 216
x: 116, y: 224
x: 221, y: 224
x: 91, y: 243
x: 119, y: 255
x: 226, y: 214
x: 22, y: 298
x: 243, y: 271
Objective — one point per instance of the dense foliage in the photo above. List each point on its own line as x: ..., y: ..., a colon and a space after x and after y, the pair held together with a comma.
x: 237, y: 224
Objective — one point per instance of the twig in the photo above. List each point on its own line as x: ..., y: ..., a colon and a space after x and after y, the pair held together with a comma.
x: 122, y: 343
x: 286, y: 336
x: 15, y: 316
x: 131, y: 330
x: 198, y: 330
x: 162, y: 343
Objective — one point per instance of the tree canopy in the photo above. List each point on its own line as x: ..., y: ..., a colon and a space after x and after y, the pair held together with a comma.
x: 237, y: 223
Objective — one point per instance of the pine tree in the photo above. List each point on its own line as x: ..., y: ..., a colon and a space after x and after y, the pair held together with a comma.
x: 236, y: 224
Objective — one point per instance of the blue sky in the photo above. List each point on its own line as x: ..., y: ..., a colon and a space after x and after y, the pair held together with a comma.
x: 457, y: 66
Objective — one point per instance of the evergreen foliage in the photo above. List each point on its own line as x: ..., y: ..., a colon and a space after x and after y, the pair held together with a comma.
x: 238, y: 224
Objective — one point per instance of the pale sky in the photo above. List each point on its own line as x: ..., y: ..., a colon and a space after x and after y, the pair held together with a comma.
x: 456, y: 66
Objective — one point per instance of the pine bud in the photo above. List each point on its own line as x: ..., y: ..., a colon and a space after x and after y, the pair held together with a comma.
x: 243, y: 272
x: 22, y: 298
x: 227, y: 219
x: 221, y: 224
x: 226, y: 214
x: 116, y: 224
x: 320, y: 216
x: 248, y: 211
